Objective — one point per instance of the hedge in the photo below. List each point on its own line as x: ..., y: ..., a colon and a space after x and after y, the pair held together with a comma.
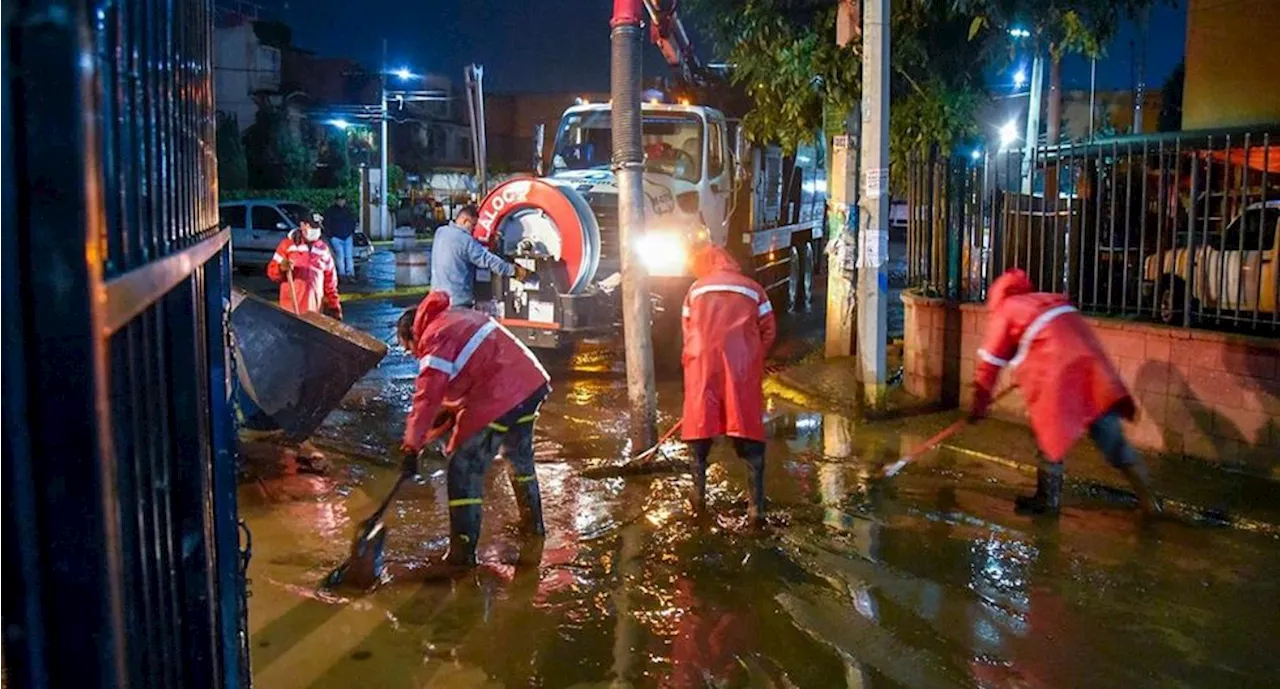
x: 313, y: 198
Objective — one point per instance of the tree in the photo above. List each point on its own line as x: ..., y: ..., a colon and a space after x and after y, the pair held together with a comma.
x: 232, y: 170
x: 786, y: 58
x: 1058, y: 27
x: 335, y: 162
x: 276, y: 155
x: 1171, y: 100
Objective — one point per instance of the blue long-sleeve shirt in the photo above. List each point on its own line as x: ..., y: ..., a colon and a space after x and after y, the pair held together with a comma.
x: 455, y: 255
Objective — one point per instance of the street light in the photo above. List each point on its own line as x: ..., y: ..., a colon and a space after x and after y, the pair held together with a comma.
x: 1008, y: 133
x: 404, y: 74
x: 977, y: 154
x: 1019, y: 32
x: 1020, y: 77
x: 340, y: 123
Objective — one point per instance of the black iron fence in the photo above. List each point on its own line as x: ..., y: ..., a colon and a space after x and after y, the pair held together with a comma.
x: 121, y: 544
x: 1177, y: 228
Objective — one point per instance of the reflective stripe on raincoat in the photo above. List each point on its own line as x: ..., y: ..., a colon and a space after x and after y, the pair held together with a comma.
x: 315, y: 276
x: 1065, y: 376
x: 468, y: 365
x: 728, y: 328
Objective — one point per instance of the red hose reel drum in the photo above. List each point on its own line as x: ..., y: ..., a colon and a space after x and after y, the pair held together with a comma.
x: 548, y: 213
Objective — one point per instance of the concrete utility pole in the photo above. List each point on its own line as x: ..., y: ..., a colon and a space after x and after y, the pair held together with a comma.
x: 873, y: 239
x: 628, y: 165
x: 384, y: 219
x: 842, y: 206
x: 1033, y: 118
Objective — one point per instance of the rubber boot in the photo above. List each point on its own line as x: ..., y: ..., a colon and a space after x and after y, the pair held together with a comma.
x: 529, y: 500
x: 1140, y: 480
x: 464, y: 528
x: 700, y: 486
x: 701, y: 450
x: 1048, y: 496
x: 756, y: 482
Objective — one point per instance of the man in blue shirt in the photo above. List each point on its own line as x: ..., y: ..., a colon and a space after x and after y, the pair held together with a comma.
x: 455, y: 256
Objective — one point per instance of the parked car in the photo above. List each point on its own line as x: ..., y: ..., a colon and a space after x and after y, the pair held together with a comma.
x: 258, y: 226
x: 1234, y: 269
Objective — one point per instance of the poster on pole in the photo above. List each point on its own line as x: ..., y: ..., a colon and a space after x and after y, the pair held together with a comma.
x: 875, y: 182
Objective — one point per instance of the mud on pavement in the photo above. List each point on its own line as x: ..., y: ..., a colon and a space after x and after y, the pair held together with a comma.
x: 929, y: 580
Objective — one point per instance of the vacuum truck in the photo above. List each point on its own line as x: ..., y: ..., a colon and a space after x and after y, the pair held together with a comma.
x: 702, y: 182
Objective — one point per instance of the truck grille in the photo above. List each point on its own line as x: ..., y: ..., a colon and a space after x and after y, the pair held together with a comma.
x: 605, y: 208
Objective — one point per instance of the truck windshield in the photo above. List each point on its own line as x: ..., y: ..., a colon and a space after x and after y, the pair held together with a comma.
x: 672, y: 143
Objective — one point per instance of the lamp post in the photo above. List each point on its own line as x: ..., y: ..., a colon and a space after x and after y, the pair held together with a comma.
x: 384, y: 195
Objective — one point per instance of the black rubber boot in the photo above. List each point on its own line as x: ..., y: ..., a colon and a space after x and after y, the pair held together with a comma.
x: 1140, y: 479
x: 701, y: 451
x: 1048, y: 496
x: 756, y: 482
x: 529, y: 500
x: 464, y: 527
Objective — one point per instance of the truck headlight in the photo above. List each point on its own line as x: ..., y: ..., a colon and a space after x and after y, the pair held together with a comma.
x: 664, y: 252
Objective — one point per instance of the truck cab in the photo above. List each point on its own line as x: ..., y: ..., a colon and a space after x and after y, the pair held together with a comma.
x: 766, y: 208
x: 687, y: 178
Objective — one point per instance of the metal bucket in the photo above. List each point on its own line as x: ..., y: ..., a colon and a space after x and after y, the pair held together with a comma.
x: 294, y: 370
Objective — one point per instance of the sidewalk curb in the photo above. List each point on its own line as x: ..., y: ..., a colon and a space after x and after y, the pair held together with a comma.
x: 384, y: 294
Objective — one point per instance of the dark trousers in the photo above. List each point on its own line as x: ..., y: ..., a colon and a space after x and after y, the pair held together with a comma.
x: 512, y: 434
x: 751, y: 452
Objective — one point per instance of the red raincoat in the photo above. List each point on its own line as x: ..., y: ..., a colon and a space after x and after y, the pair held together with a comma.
x: 315, y: 278
x: 1065, y: 376
x: 468, y: 364
x: 728, y: 328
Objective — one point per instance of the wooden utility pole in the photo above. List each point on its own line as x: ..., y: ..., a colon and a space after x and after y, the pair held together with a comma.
x: 842, y: 209
x: 873, y: 234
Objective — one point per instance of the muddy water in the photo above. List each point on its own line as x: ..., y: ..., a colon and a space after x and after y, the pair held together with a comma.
x: 927, y: 581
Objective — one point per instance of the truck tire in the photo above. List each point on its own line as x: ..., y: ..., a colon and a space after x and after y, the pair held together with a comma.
x: 804, y: 289
x: 668, y: 343
x: 794, y: 277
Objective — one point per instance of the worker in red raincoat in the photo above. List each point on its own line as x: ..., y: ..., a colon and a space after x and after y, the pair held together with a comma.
x: 728, y: 328
x: 478, y: 381
x: 1069, y: 385
x: 304, y: 267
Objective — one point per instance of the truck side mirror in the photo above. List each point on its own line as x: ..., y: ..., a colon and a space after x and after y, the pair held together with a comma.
x: 539, y: 140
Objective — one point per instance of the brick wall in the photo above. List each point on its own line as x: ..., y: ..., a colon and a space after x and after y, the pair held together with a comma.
x: 1204, y: 394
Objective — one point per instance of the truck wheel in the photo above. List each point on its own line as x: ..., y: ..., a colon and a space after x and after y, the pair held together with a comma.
x: 668, y: 344
x: 795, y: 275
x: 804, y: 293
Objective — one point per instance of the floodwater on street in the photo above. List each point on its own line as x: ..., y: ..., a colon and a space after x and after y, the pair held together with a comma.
x: 929, y: 580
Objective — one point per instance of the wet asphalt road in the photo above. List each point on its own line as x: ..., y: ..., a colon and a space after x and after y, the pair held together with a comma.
x: 930, y: 580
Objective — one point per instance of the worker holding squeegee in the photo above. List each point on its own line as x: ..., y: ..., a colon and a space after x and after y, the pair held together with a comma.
x: 483, y: 388
x: 728, y: 326
x: 304, y: 267
x: 1069, y: 384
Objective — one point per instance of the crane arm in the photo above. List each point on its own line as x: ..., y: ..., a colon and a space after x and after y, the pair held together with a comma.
x: 668, y: 33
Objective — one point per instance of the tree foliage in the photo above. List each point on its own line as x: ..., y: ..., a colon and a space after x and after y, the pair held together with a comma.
x: 335, y: 162
x: 784, y: 54
x: 277, y: 155
x: 232, y: 169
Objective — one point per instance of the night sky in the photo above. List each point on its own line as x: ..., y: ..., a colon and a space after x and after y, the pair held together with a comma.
x: 563, y: 45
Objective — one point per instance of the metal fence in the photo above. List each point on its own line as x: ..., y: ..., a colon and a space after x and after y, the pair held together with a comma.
x: 1177, y: 228
x: 121, y: 544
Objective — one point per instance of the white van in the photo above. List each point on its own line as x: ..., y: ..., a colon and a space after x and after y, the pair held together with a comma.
x: 258, y: 227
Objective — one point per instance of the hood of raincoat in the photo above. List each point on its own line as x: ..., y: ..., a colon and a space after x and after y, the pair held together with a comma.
x: 432, y: 305
x: 1011, y: 284
x: 712, y: 258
